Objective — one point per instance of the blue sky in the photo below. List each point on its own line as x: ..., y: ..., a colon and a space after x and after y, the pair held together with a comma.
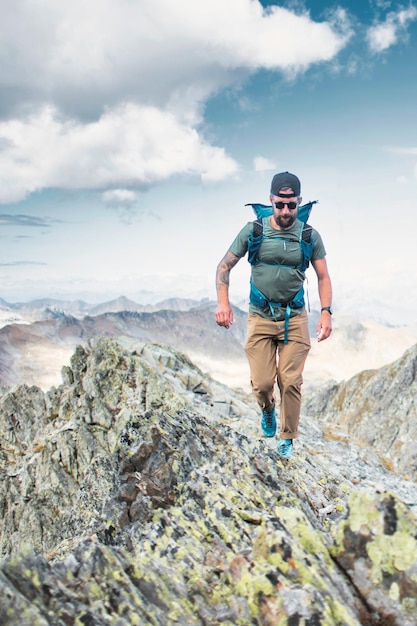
x: 133, y: 132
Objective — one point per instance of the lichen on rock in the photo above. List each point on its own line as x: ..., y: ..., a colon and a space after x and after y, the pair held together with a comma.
x: 128, y: 498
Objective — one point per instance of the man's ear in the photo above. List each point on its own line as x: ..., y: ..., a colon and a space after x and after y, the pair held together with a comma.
x: 300, y: 199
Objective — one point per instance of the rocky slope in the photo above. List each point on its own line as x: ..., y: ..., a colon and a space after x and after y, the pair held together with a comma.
x: 140, y: 492
x: 378, y: 408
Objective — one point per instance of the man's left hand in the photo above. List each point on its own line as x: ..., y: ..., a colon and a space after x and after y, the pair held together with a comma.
x: 324, y: 327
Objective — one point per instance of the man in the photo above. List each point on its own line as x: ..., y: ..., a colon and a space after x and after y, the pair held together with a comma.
x: 278, y: 338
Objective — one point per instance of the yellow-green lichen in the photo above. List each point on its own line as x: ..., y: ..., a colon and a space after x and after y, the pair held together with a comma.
x: 309, y: 538
x: 391, y: 554
x: 410, y: 605
x: 275, y: 559
x: 362, y: 511
x: 386, y: 529
x: 394, y: 592
x: 249, y: 587
x: 336, y: 613
x: 255, y: 517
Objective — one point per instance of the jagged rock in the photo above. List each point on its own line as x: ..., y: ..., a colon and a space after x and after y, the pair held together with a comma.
x: 127, y: 497
x: 378, y: 408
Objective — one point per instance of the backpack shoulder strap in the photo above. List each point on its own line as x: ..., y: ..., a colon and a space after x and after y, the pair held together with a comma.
x: 255, y: 240
x: 306, y: 233
x: 258, y: 228
x: 306, y: 245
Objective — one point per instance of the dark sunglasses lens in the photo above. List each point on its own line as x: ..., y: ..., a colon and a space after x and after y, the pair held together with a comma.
x: 290, y: 205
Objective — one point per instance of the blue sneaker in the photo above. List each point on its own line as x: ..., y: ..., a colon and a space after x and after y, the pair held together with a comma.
x: 285, y: 448
x: 269, y: 422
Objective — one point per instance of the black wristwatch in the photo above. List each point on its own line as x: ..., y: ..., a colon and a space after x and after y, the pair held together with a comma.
x: 328, y: 309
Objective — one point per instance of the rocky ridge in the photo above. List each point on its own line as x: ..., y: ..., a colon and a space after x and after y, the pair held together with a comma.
x: 376, y: 407
x: 140, y: 492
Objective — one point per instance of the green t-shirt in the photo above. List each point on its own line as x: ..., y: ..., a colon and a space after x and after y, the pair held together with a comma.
x: 277, y: 282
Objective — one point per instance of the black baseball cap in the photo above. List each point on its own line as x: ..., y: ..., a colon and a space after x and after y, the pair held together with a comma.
x: 285, y: 179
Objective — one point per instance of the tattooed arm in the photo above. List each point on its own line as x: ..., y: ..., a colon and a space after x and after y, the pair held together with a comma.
x: 224, y: 313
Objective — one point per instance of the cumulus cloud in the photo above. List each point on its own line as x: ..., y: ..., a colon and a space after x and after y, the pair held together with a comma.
x: 111, y: 93
x: 119, y: 197
x: 131, y: 145
x: 261, y: 164
x: 154, y: 51
x: 385, y: 34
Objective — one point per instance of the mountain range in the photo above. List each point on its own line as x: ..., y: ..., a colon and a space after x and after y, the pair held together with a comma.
x: 37, y: 338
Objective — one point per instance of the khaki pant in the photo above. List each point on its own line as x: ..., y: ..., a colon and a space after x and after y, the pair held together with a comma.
x: 270, y: 359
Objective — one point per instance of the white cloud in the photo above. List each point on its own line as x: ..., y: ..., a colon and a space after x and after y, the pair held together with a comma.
x: 262, y: 164
x: 119, y: 197
x: 123, y: 201
x: 151, y: 50
x: 382, y: 36
x: 131, y: 145
x: 111, y: 93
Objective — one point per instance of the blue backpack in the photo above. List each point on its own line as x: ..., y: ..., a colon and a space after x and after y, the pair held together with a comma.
x: 306, y: 245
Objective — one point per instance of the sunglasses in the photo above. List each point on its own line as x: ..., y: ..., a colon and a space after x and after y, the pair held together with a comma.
x: 291, y: 205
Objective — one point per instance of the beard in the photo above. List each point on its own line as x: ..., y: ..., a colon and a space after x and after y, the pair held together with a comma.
x: 285, y: 221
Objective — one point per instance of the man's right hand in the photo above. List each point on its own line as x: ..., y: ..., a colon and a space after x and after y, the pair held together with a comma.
x: 224, y: 316
x: 224, y: 313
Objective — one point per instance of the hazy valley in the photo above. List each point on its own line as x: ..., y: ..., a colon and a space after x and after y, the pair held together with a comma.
x: 38, y: 338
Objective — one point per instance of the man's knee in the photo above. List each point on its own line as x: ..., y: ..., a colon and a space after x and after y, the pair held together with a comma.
x: 263, y: 387
x: 290, y: 383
